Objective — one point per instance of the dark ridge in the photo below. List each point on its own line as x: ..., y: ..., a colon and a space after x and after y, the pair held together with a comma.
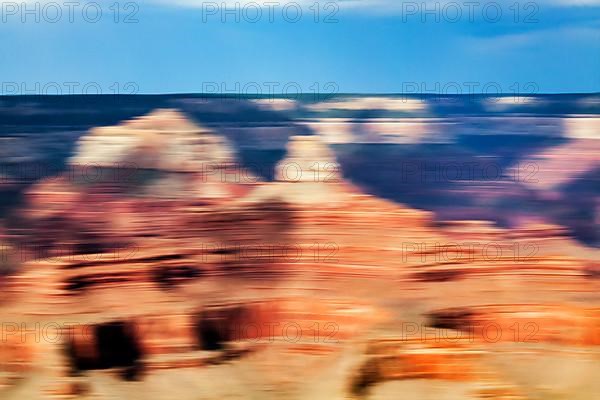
x: 225, y: 251
x: 368, y: 376
x: 83, y: 282
x: 211, y: 334
x: 166, y: 257
x: 577, y: 207
x: 116, y: 347
x: 77, y: 283
x: 440, y: 276
x: 459, y: 319
x: 167, y: 276
x: 228, y: 355
x: 214, y: 328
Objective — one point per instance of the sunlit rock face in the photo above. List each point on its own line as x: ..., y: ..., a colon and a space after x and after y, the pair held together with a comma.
x: 358, y: 103
x: 311, y: 159
x: 309, y: 174
x: 556, y: 167
x: 388, y: 131
x: 161, y: 154
x: 164, y: 140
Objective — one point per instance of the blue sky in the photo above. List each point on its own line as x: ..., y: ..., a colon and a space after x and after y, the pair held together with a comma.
x: 377, y: 46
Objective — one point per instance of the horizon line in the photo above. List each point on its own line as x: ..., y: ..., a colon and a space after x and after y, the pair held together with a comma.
x: 279, y: 96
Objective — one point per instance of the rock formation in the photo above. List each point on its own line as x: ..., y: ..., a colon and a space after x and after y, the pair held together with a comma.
x: 164, y: 153
x: 301, y: 287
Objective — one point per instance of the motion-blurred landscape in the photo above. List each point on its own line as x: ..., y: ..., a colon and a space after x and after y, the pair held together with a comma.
x: 339, y: 247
